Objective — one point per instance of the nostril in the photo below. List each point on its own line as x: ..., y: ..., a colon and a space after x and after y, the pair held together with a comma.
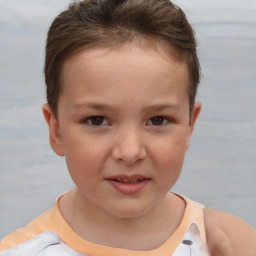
x: 130, y: 154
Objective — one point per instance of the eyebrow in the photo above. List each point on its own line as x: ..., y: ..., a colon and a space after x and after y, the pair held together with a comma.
x: 112, y: 108
x: 96, y: 106
x: 159, y: 107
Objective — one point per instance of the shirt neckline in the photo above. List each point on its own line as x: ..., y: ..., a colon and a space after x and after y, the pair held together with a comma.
x: 68, y: 236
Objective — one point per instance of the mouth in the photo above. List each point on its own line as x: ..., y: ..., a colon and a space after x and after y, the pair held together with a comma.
x: 128, y: 179
x: 128, y: 184
x: 134, y: 181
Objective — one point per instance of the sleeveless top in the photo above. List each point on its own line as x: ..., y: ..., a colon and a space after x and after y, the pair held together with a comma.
x: 50, y: 235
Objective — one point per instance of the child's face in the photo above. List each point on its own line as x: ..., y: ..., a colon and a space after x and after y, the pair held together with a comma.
x: 123, y: 126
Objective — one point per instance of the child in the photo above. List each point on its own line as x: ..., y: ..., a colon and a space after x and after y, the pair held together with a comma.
x: 121, y: 79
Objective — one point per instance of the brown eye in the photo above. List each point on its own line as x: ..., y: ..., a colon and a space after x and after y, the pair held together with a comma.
x: 96, y: 120
x: 157, y: 120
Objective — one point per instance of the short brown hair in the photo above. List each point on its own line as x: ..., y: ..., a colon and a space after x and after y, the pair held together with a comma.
x: 104, y: 23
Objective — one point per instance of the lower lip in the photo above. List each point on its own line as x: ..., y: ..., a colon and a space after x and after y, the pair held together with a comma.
x: 128, y: 188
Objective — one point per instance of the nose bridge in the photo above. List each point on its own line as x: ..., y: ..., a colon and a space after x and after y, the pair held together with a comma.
x: 130, y: 145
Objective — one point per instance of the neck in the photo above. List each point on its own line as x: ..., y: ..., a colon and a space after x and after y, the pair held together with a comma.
x: 143, y: 233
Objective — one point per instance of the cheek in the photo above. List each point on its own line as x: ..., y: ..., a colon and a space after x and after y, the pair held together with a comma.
x: 84, y: 159
x: 169, y: 155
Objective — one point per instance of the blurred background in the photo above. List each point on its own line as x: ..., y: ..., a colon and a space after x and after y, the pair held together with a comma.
x: 220, y: 166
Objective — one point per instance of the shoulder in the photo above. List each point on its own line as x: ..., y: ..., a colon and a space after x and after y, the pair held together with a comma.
x: 46, y: 243
x: 228, y: 235
x: 34, y: 228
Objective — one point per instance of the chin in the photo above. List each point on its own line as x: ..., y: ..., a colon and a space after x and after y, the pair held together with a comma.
x: 128, y: 215
x: 129, y: 211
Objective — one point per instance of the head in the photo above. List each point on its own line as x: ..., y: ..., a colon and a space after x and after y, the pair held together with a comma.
x: 108, y: 23
x: 121, y: 82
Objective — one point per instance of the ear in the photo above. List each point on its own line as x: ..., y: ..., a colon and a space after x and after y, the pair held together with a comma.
x: 54, y: 130
x: 196, y: 111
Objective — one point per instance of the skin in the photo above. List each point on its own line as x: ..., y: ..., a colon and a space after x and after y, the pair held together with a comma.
x: 228, y: 235
x: 124, y: 111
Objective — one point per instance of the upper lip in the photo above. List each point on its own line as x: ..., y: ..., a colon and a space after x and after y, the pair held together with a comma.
x: 127, y: 177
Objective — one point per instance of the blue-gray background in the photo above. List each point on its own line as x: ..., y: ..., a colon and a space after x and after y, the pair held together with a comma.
x: 220, y: 167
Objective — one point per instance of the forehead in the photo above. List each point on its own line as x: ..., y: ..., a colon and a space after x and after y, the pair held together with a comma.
x: 131, y: 68
x: 151, y: 47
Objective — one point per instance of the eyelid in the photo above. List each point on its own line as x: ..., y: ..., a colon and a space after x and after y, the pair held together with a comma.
x: 105, y: 121
x: 167, y: 120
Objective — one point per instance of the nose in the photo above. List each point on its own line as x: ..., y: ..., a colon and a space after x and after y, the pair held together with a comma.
x: 129, y: 146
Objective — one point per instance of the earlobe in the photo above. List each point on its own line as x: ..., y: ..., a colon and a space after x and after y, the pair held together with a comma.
x: 54, y: 130
x: 196, y: 111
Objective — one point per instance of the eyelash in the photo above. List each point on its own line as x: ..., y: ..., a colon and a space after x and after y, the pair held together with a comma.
x: 89, y: 120
x: 102, y: 119
x: 165, y: 120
